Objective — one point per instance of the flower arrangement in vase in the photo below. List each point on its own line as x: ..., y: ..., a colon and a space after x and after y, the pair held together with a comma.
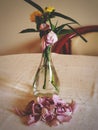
x: 50, y: 109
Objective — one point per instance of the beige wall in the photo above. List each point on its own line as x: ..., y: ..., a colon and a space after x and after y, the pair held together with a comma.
x: 14, y: 16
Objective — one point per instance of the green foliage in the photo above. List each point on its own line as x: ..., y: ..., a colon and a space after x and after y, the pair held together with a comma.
x: 28, y: 30
x: 34, y: 5
x: 46, y: 17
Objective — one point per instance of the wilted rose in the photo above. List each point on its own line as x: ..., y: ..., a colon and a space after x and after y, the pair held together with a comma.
x: 51, y: 110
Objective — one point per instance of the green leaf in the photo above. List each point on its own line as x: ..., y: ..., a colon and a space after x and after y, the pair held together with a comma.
x: 65, y: 17
x: 59, y: 28
x: 28, y: 30
x: 56, y: 24
x: 77, y: 33
x: 35, y: 5
x: 52, y: 27
x: 65, y: 31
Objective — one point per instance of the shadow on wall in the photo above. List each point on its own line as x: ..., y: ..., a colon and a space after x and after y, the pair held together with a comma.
x: 27, y: 47
x: 78, y: 47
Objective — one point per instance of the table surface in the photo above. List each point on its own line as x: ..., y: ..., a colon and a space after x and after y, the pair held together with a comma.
x: 78, y: 78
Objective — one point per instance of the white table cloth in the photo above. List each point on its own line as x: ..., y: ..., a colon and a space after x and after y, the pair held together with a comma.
x: 79, y: 81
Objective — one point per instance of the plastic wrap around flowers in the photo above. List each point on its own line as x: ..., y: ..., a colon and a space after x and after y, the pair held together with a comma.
x: 51, y: 110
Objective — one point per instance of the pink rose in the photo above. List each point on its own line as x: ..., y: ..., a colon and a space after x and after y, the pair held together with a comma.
x: 44, y: 27
x: 49, y: 39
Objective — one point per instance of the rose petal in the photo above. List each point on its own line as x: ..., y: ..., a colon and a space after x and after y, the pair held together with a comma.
x: 63, y: 118
x: 36, y: 109
x: 30, y: 120
x: 58, y: 100
x: 28, y: 109
x: 19, y: 112
x: 53, y: 122
x: 51, y: 110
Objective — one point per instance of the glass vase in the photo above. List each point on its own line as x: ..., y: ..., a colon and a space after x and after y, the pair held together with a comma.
x: 46, y: 81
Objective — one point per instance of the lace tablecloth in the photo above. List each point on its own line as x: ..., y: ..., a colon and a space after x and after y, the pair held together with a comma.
x: 79, y: 81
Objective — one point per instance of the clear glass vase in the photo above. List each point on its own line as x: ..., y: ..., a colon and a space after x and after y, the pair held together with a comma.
x: 46, y: 81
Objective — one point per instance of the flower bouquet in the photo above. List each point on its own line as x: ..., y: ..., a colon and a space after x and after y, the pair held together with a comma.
x: 48, y: 107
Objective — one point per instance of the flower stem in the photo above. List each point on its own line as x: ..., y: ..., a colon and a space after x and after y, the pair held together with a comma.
x: 45, y: 77
x: 46, y: 55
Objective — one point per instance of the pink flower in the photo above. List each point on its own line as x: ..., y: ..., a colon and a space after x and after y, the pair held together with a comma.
x: 57, y: 99
x: 45, y: 101
x: 49, y: 39
x: 51, y: 110
x: 44, y: 27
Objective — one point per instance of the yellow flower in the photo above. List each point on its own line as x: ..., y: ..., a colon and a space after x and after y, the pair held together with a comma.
x: 49, y: 9
x: 34, y: 14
